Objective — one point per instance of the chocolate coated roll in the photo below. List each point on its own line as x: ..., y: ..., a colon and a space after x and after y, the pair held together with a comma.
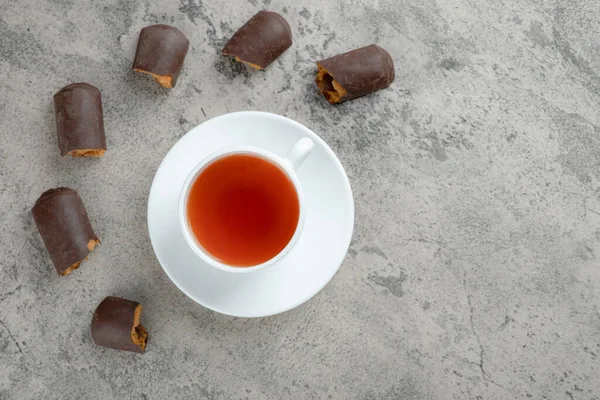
x: 160, y: 53
x: 79, y: 121
x: 116, y: 325
x: 355, y: 73
x: 65, y: 228
x: 261, y: 40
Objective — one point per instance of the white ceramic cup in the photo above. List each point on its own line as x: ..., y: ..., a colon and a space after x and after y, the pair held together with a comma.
x: 288, y: 164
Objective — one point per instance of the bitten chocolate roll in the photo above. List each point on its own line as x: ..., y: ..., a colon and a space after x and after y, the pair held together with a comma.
x: 65, y: 228
x: 160, y: 53
x: 116, y: 325
x: 355, y: 73
x: 261, y: 40
x: 79, y: 121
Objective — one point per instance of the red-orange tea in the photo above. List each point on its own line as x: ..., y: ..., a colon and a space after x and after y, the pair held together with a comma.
x: 243, y: 210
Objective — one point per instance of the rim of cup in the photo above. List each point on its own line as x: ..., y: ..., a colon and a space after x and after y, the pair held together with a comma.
x: 190, y: 237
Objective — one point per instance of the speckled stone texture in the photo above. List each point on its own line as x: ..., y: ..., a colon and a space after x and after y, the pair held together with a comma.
x: 473, y: 272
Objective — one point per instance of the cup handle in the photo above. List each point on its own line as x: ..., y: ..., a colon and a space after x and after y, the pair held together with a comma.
x: 297, y: 154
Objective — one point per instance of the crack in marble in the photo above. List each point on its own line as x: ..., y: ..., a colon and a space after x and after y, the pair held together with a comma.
x: 486, y: 376
x: 12, y: 337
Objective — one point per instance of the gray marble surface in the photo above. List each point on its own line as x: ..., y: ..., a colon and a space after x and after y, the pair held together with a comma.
x: 473, y: 272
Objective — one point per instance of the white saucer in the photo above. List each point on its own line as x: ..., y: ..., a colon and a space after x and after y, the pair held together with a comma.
x: 310, y: 264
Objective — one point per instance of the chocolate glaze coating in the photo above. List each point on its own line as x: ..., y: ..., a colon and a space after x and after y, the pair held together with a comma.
x: 355, y: 73
x: 79, y: 120
x: 65, y: 228
x: 161, y: 51
x: 116, y: 325
x: 261, y: 40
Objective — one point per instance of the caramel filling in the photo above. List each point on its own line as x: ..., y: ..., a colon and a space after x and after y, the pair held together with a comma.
x: 255, y: 66
x: 139, y: 336
x: 91, y: 244
x: 164, y: 80
x: 331, y: 89
x: 87, y: 153
x: 71, y: 268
